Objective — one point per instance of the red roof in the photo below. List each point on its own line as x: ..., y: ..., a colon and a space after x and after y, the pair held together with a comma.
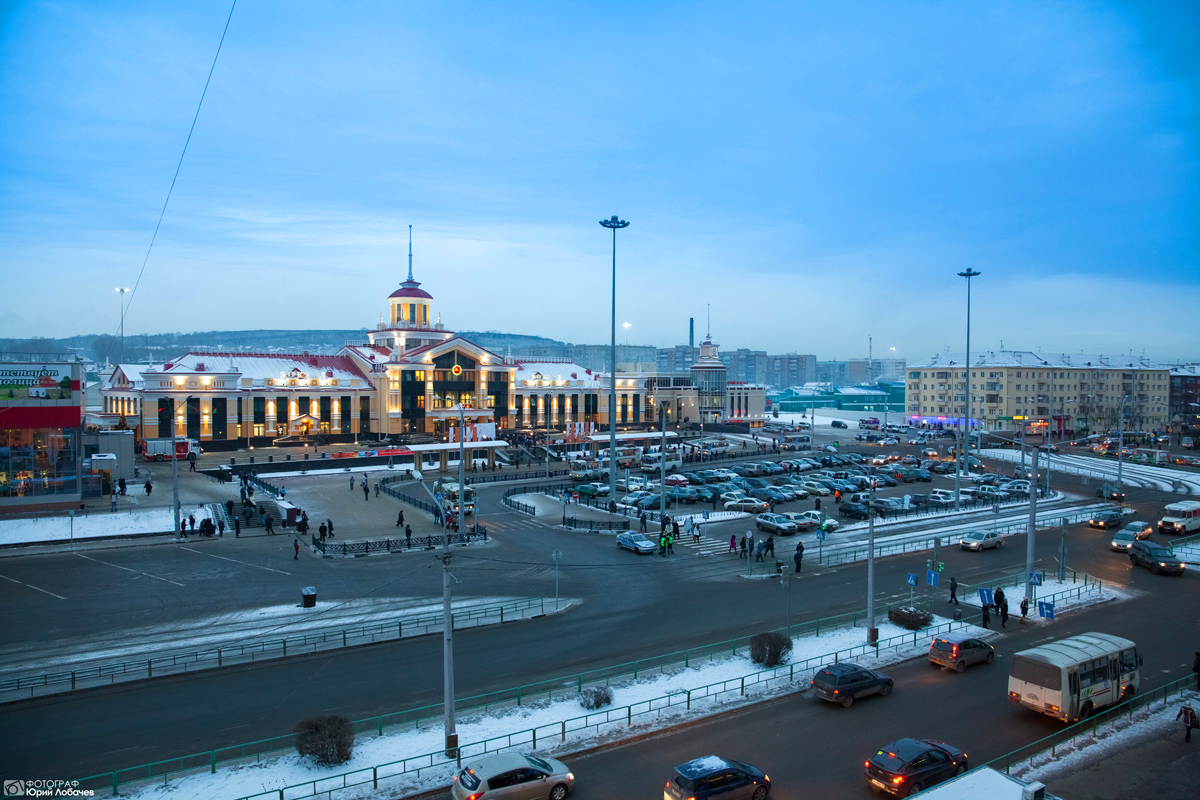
x: 411, y: 293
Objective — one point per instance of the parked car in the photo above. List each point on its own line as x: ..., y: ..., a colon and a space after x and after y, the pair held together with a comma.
x: 980, y: 540
x: 771, y: 468
x: 930, y: 452
x: 707, y: 493
x: 1105, y: 519
x: 592, y: 489
x: 750, y: 504
x: 630, y: 484
x: 855, y: 510
x: 844, y: 683
x: 520, y: 776
x: 633, y: 498
x: 651, y: 502
x: 637, y: 542
x: 911, y: 461
x: 1155, y: 558
x: 775, y: 523
x: 957, y: 651
x: 819, y: 489
x: 908, y: 766
x: 804, y: 523
x: 693, y: 478
x: 683, y: 494
x: 837, y: 423
x: 991, y: 494
x: 823, y: 521
x: 1139, y: 529
x: 716, y: 778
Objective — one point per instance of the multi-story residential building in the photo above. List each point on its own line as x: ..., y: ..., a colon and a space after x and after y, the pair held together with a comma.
x: 1185, y: 399
x: 677, y: 358
x: 747, y: 366
x: 864, y: 371
x: 833, y: 372
x: 1065, y: 394
x: 790, y: 369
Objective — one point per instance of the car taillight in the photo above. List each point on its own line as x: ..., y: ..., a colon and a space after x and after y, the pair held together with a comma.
x: 898, y: 779
x: 1014, y: 696
x: 955, y: 650
x: 866, y: 763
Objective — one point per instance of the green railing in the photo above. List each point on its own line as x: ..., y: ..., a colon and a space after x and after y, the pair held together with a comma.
x: 542, y: 690
x: 1067, y: 737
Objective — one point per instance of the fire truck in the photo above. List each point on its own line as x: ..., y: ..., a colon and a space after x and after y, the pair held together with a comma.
x: 160, y: 449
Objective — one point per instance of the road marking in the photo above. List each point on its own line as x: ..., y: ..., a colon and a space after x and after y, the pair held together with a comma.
x: 223, y: 558
x: 127, y: 569
x: 31, y: 586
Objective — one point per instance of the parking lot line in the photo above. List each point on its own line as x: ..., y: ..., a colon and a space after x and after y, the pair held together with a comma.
x: 127, y: 569
x: 31, y: 586
x: 234, y: 560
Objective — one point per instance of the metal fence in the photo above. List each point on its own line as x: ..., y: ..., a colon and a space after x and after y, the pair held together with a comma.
x: 210, y: 658
x: 516, y: 505
x: 478, y: 533
x: 386, y: 487
x: 596, y: 524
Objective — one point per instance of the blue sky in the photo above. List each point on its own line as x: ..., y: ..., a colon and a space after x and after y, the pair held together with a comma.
x: 815, y: 171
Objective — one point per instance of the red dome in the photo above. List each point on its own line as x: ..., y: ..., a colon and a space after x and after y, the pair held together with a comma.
x: 411, y: 292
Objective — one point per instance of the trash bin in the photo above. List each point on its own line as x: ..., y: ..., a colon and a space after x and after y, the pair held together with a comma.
x: 778, y: 567
x: 308, y: 597
x: 958, y: 613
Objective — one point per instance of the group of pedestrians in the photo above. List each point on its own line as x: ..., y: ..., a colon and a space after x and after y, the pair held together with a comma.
x: 999, y: 605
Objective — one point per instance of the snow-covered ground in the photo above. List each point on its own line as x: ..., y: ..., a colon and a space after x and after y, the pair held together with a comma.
x: 326, y: 467
x: 1109, y: 738
x: 1074, y: 595
x: 96, y: 525
x: 247, y: 627
x: 811, y: 652
x: 1105, y: 469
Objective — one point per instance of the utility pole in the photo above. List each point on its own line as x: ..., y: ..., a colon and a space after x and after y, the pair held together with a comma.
x: 1121, y: 443
x: 872, y: 630
x: 1029, y: 540
x: 662, y: 498
x: 175, y: 469
x: 786, y: 583
x: 1062, y: 554
x: 614, y: 225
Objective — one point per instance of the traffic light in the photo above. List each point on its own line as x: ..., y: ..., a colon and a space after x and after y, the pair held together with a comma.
x: 941, y: 565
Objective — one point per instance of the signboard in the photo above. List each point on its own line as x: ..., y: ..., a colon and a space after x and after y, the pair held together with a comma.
x: 821, y: 535
x: 985, y: 597
x: 931, y: 577
x: 912, y: 579
x: 1045, y: 609
x: 1035, y: 579
x: 704, y: 514
x: 34, y: 395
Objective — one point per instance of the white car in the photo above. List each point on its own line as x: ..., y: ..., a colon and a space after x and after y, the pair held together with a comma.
x: 816, y: 488
x: 736, y: 494
x: 602, y: 489
x: 633, y: 497
x: 775, y: 523
x: 828, y: 523
x: 980, y: 540
x: 747, y: 504
x: 888, y: 442
x: 630, y: 484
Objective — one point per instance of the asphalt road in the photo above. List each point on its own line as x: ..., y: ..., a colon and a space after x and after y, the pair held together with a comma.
x: 633, y: 607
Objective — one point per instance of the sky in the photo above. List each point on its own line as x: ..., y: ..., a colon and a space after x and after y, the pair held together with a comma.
x: 816, y: 173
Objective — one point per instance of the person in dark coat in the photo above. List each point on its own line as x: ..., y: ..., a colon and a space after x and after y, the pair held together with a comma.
x: 408, y: 535
x: 322, y: 531
x: 149, y: 487
x: 643, y: 521
x: 329, y: 524
x: 986, y: 616
x: 799, y: 556
x: 296, y: 542
x: 400, y: 519
x: 742, y: 551
x: 817, y: 506
x: 1025, y: 612
x: 1003, y: 612
x: 220, y: 528
x: 954, y: 591
x: 237, y: 526
x: 769, y: 548
x: 229, y: 507
x: 998, y: 597
x: 366, y: 492
x: 270, y: 525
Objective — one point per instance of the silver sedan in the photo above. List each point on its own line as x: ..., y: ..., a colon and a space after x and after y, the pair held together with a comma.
x: 980, y: 540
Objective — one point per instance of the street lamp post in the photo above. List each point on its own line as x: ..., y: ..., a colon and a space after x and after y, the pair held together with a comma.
x: 613, y: 224
x: 968, y: 274
x: 121, y: 296
x: 872, y: 631
x: 662, y: 498
x: 1121, y: 441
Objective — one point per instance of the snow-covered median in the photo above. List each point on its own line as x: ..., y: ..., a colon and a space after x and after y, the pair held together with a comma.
x: 96, y: 525
x: 410, y: 760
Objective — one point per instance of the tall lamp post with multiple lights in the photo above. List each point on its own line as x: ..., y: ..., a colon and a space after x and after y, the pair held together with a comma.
x: 613, y: 224
x: 968, y: 274
x: 121, y: 296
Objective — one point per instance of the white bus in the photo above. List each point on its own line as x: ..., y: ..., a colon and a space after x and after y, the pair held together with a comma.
x: 654, y: 462
x: 1180, y: 518
x: 627, y: 457
x: 1071, y: 678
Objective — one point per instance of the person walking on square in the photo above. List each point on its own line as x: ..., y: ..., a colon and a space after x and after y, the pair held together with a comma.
x: 296, y: 542
x: 1025, y: 612
x: 408, y: 535
x: 769, y: 547
x: 1003, y: 612
x: 400, y: 519
x: 799, y: 556
x: 643, y: 520
x: 352, y: 482
x: 986, y: 616
x: 237, y: 527
x: 322, y: 531
x: 270, y: 526
x: 1188, y: 714
x: 954, y: 590
x: 220, y: 528
x: 329, y: 524
x: 733, y: 543
x: 366, y: 492
x: 671, y: 543
x: 744, y: 551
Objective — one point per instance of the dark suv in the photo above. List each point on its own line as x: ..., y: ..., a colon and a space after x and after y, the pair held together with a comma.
x: 1154, y: 557
x: 845, y: 683
x: 715, y: 777
x: 908, y: 766
x: 856, y: 510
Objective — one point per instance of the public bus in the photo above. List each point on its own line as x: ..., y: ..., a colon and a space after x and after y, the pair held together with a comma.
x: 1180, y: 518
x: 1071, y: 678
x: 449, y: 490
x: 160, y: 449
x: 654, y: 462
x: 1143, y: 455
x: 795, y: 441
x: 871, y: 423
x: 627, y: 457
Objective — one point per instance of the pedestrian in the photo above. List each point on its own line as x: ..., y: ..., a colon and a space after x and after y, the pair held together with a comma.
x: 282, y: 492
x: 733, y: 543
x: 377, y: 488
x: 192, y: 462
x: 758, y: 551
x: 366, y: 492
x: 329, y: 524
x: 643, y: 520
x: 322, y: 531
x: 237, y: 526
x: 192, y: 522
x: 296, y: 542
x: 122, y: 485
x: 1189, y: 720
x: 695, y: 532
x: 400, y: 519
x: 149, y: 487
x: 664, y: 522
x: 662, y: 542
x: 769, y: 548
x: 408, y: 535
x: 242, y: 489
x: 675, y: 527
x: 998, y: 596
x: 743, y: 551
x: 352, y: 482
x: 671, y: 541
x: 1003, y: 612
x: 954, y: 590
x: 270, y: 526
x: 750, y: 540
x: 986, y: 616
x: 262, y: 516
x: 220, y: 528
x: 837, y: 496
x: 1196, y: 669
x: 818, y: 504
x: 1025, y: 611
x: 714, y: 501
x: 771, y: 503
x: 799, y: 556
x: 229, y: 507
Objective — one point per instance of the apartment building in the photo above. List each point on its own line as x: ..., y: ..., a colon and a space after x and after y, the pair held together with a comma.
x: 1064, y: 394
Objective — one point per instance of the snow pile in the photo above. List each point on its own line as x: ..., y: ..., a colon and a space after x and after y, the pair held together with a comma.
x: 1073, y: 596
x: 95, y: 525
x: 1108, y: 738
x: 1152, y: 477
x: 812, y: 652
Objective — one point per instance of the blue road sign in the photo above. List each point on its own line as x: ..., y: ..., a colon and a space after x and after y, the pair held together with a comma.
x: 704, y: 514
x: 1045, y: 609
x: 985, y: 597
x: 1035, y: 579
x: 931, y: 577
x: 821, y: 535
x: 439, y: 497
x: 912, y: 579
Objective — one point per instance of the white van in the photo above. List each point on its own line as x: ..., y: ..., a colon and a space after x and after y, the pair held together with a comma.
x: 941, y: 497
x: 1180, y: 518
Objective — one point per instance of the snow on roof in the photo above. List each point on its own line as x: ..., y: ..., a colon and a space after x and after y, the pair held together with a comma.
x: 259, y: 366
x: 1185, y: 371
x: 980, y: 782
x: 556, y: 371
x: 1028, y: 358
x: 862, y: 390
x: 699, y: 767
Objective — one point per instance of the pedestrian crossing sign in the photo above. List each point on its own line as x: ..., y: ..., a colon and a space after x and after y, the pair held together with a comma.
x: 704, y: 514
x: 821, y: 535
x: 912, y: 579
x: 1035, y: 579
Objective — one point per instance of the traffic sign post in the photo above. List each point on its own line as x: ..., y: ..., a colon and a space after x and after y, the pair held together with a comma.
x: 704, y: 514
x: 931, y: 577
x: 556, y: 555
x: 1045, y: 609
x: 912, y: 586
x: 985, y: 597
